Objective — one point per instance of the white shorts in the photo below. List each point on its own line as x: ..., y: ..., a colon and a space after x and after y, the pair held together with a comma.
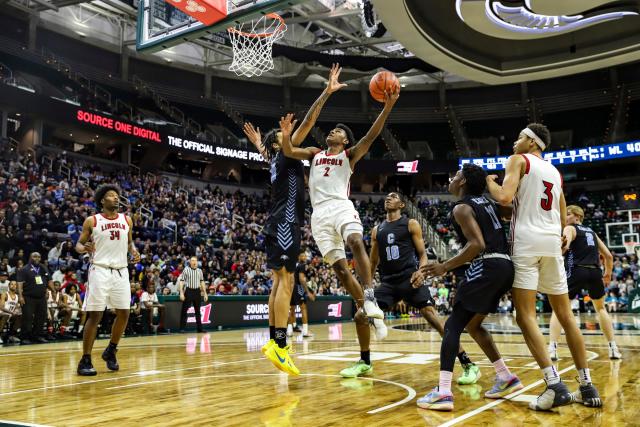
x: 331, y: 223
x: 107, y: 288
x: 544, y: 274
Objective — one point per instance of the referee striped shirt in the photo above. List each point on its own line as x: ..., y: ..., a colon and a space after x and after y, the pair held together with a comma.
x: 191, y: 277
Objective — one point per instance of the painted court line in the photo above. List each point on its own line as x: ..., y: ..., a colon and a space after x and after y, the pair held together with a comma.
x: 18, y: 423
x: 497, y: 402
x: 411, y: 393
x: 116, y: 378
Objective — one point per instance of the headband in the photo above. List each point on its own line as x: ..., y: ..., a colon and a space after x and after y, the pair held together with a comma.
x: 531, y: 134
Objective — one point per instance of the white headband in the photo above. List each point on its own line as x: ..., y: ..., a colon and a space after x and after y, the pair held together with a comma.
x: 531, y: 134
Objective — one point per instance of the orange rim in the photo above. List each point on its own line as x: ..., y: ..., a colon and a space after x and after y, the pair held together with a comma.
x: 274, y: 16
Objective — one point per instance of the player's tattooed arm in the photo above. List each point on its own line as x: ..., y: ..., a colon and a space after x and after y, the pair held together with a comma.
x: 464, y: 216
x: 504, y: 194
x: 287, y: 123
x: 255, y: 137
x: 132, y: 247
x: 84, y: 245
x: 333, y: 85
x: 374, y: 259
x: 363, y: 146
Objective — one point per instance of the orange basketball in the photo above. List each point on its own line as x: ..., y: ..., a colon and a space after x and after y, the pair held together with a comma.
x: 384, y: 80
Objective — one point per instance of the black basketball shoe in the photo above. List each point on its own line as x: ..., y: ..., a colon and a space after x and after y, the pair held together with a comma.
x: 588, y: 395
x: 109, y: 356
x: 85, y: 367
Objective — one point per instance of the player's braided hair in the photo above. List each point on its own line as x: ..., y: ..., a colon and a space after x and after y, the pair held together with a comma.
x: 476, y: 179
x: 102, y: 191
x: 269, y: 139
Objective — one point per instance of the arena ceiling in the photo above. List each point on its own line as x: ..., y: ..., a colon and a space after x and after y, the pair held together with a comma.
x: 506, y: 41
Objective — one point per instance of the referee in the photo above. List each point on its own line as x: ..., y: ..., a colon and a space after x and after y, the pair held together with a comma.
x: 193, y: 280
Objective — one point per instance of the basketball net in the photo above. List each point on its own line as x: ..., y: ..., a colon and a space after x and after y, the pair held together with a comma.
x: 630, y: 247
x: 252, y: 44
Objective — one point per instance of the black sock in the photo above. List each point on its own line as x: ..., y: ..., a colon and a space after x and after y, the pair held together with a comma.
x: 281, y: 337
x: 112, y: 346
x: 86, y: 358
x: 464, y: 359
x: 365, y: 356
x: 272, y: 332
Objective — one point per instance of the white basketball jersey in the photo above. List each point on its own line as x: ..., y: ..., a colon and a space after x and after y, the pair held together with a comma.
x: 111, y: 240
x: 535, y: 225
x: 11, y: 303
x: 329, y: 177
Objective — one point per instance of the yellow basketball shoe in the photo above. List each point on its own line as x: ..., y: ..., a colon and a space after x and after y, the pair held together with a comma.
x: 281, y: 359
x: 267, y: 345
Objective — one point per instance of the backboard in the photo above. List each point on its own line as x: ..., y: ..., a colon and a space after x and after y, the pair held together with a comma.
x: 160, y: 25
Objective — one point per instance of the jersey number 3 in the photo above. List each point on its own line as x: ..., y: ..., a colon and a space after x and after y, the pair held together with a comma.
x: 115, y: 234
x: 547, y: 202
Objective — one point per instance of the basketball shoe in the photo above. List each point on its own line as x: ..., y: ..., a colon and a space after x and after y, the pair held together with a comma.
x: 370, y: 305
x: 553, y: 396
x: 588, y: 395
x: 359, y: 369
x: 380, y: 328
x: 267, y: 345
x: 614, y: 353
x: 281, y: 359
x: 470, y: 374
x: 502, y: 388
x: 85, y: 367
x: 437, y: 401
x: 109, y: 356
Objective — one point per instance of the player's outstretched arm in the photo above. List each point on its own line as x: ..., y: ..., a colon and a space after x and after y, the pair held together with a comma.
x: 374, y: 259
x: 287, y: 124
x: 310, y: 119
x: 504, y: 194
x: 608, y: 261
x: 255, y: 137
x: 84, y: 245
x: 363, y: 146
x: 475, y: 243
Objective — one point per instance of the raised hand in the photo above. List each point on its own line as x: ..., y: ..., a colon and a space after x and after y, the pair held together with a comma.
x: 334, y: 85
x: 253, y: 134
x: 390, y: 98
x: 287, y: 123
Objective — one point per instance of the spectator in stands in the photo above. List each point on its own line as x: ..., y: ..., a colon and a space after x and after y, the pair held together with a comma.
x: 32, y: 285
x: 4, y: 282
x: 74, y: 302
x: 612, y: 302
x: 505, y: 305
x: 151, y: 310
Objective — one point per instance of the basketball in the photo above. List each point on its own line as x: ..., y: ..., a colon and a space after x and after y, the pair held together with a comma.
x: 381, y: 82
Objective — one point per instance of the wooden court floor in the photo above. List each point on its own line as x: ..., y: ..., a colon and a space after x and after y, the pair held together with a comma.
x: 221, y: 379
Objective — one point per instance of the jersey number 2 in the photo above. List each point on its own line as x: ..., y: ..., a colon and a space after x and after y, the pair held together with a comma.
x: 115, y: 234
x: 326, y: 171
x: 547, y: 202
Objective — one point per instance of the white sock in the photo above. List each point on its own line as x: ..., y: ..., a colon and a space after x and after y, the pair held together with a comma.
x: 445, y: 382
x: 80, y: 328
x: 612, y: 344
x: 295, y: 324
x: 289, y: 329
x: 305, y: 328
x: 502, y: 371
x: 553, y: 344
x: 551, y: 375
x: 585, y: 376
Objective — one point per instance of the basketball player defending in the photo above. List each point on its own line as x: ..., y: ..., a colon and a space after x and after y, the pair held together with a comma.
x: 489, y: 276
x: 582, y: 263
x: 539, y: 214
x: 107, y: 236
x: 299, y: 297
x: 282, y: 229
x: 397, y: 247
x: 334, y: 219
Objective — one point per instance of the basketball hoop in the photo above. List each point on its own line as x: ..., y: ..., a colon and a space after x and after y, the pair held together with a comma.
x: 630, y: 247
x: 252, y: 44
